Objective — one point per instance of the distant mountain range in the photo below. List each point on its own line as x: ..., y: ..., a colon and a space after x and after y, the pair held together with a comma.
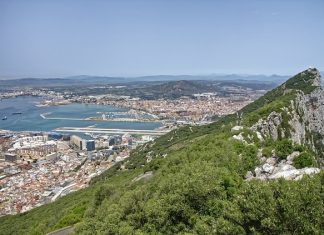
x: 182, y: 77
x: 82, y: 80
x: 94, y: 80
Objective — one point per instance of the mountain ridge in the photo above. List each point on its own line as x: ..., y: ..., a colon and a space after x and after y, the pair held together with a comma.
x: 262, y: 77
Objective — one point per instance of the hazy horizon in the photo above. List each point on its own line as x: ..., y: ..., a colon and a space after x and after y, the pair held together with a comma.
x: 151, y: 75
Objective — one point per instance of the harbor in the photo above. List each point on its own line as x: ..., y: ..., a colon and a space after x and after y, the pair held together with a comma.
x: 33, y: 118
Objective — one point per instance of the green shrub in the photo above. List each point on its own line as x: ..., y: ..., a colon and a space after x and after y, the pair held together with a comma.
x: 299, y: 148
x: 284, y: 148
x: 305, y: 159
x: 267, y: 152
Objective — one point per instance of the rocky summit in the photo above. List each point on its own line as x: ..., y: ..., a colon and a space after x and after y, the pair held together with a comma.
x: 299, y: 119
x: 304, y: 113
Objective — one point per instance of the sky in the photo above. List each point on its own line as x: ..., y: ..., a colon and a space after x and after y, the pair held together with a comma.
x: 42, y: 38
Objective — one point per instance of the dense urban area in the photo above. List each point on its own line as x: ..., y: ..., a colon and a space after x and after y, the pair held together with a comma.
x: 38, y: 167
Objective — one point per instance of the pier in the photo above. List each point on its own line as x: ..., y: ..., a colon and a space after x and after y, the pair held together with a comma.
x: 111, y: 131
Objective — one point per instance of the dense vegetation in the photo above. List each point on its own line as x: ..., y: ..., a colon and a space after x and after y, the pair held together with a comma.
x: 197, y: 187
x: 305, y: 159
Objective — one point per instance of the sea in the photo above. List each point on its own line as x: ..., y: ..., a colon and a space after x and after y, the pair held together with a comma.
x: 30, y: 118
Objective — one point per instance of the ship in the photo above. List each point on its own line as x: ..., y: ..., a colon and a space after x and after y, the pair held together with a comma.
x: 4, y: 118
x: 16, y: 113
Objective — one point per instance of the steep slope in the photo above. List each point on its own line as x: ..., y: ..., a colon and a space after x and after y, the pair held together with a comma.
x: 192, y: 180
x: 294, y: 110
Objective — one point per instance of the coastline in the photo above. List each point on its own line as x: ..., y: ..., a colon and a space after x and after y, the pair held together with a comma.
x: 79, y: 114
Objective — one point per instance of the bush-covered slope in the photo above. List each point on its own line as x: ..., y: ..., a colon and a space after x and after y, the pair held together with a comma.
x: 197, y: 186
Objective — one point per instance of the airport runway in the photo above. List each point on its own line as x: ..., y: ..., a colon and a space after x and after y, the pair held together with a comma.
x: 100, y: 120
x: 111, y: 131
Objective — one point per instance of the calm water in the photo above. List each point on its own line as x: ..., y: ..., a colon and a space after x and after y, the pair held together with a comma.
x: 30, y: 119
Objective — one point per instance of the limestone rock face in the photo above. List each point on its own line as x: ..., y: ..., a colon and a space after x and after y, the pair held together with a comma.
x: 298, y: 128
x: 268, y: 127
x: 302, y: 119
x: 308, y: 118
x: 294, y: 174
x: 317, y: 76
x: 311, y: 107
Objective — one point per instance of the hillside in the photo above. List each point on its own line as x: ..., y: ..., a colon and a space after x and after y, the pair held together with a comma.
x: 170, y: 90
x: 253, y: 172
x: 149, y: 90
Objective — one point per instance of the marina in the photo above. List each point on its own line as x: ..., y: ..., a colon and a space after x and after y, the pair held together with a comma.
x: 23, y: 114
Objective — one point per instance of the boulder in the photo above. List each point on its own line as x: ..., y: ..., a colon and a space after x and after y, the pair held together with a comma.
x: 239, y: 137
x: 310, y: 170
x: 259, y: 135
x: 258, y: 172
x: 237, y: 128
x: 267, y: 168
x: 288, y: 174
x: 248, y: 175
x: 292, y: 156
x: 271, y: 160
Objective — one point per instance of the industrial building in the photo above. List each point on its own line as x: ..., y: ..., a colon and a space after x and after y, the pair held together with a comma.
x: 82, y: 144
x: 90, y: 145
x: 76, y: 141
x: 10, y: 157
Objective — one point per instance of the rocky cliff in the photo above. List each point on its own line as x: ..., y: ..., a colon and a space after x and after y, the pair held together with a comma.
x: 288, y: 125
x: 301, y: 118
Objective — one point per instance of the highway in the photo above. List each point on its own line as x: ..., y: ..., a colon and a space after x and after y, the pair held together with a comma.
x: 111, y: 131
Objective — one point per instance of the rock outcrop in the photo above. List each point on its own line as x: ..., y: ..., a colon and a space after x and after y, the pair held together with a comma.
x: 311, y: 110
x: 268, y: 127
x: 272, y: 168
x: 301, y: 120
